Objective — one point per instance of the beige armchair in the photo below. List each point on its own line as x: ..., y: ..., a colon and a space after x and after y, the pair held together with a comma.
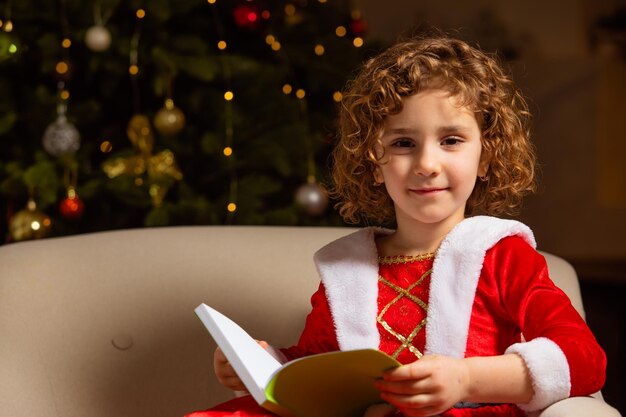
x: 102, y: 324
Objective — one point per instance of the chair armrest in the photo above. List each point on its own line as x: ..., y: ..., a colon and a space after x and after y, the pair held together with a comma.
x: 579, y: 407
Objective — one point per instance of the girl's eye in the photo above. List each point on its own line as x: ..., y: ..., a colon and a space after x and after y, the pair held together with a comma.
x: 402, y: 143
x: 451, y: 141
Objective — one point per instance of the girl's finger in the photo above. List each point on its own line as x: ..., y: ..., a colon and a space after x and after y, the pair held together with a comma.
x: 411, y: 371
x: 408, y: 387
x: 418, y: 401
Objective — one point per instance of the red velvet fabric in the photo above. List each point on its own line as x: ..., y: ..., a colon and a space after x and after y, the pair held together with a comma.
x: 247, y: 407
x: 403, y: 313
x: 238, y: 407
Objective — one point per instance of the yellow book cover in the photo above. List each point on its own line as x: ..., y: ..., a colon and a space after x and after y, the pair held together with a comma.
x: 334, y: 384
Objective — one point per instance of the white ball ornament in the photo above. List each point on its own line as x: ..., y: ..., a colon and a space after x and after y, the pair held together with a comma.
x: 61, y: 137
x: 98, y: 38
x: 312, y: 198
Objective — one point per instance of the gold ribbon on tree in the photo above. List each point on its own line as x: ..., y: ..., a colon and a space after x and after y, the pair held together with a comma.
x: 161, y: 168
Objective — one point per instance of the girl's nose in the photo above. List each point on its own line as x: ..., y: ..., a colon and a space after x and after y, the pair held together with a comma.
x: 426, y: 162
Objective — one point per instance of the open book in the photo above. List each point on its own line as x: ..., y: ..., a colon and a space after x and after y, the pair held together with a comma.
x: 335, y: 384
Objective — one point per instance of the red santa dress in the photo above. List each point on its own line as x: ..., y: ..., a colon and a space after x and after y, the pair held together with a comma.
x: 488, y: 286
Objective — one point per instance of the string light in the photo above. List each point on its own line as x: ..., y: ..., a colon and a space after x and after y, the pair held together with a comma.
x: 300, y: 93
x: 337, y: 96
x: 65, y: 95
x: 272, y: 42
x: 106, y: 146
x: 287, y: 88
x: 319, y: 50
x: 290, y: 9
x: 12, y: 48
x: 341, y: 31
x: 227, y: 150
x: 358, y: 42
x: 265, y: 14
x: 133, y: 60
x: 7, y: 25
x: 62, y: 67
x: 66, y: 43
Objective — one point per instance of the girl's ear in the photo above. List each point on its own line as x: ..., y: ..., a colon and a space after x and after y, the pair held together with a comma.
x: 378, y: 176
x: 483, y: 166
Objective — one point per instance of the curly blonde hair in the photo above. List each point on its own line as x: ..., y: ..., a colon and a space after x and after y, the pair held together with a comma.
x: 405, y: 69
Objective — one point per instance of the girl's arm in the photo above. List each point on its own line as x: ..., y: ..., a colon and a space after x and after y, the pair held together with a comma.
x: 319, y: 334
x: 561, y: 353
x: 435, y: 383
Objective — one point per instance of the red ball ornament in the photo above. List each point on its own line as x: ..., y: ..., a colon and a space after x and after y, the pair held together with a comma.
x: 72, y: 207
x: 247, y: 16
x: 358, y: 27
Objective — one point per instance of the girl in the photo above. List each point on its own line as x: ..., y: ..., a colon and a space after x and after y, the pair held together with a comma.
x: 432, y: 130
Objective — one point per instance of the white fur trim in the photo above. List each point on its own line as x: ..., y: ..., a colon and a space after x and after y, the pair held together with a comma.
x: 453, y: 283
x: 549, y: 371
x: 349, y: 270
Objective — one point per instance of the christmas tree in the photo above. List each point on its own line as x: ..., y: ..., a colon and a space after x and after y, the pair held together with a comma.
x: 119, y: 114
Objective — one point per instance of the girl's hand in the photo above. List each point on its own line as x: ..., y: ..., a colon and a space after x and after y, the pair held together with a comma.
x: 225, y: 373
x: 426, y: 387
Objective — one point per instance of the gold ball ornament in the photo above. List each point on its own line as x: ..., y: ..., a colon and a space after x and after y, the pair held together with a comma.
x: 29, y: 223
x: 98, y: 38
x: 169, y: 120
x: 312, y: 198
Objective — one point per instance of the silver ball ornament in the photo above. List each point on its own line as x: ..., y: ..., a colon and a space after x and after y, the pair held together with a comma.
x: 61, y: 137
x: 312, y: 198
x: 98, y: 38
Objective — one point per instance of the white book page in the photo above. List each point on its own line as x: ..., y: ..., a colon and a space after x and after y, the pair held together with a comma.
x: 254, y: 365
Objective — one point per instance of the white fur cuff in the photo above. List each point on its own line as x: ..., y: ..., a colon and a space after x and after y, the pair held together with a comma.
x: 549, y: 371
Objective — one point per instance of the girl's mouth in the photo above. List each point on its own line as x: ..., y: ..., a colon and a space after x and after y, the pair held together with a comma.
x: 428, y: 191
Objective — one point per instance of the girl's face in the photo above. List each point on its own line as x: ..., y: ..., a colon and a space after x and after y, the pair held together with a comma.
x: 432, y: 158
